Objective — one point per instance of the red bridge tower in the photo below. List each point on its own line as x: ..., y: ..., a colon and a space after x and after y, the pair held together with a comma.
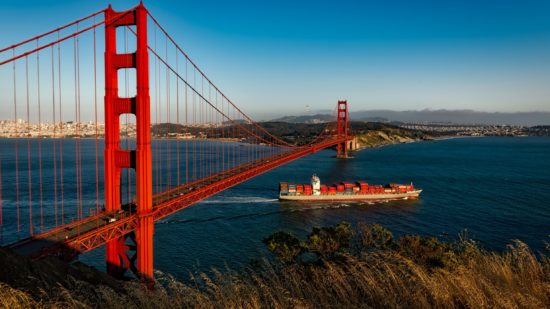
x: 118, y: 259
x: 342, y: 129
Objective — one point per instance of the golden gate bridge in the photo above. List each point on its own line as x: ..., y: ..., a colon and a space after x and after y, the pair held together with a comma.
x: 65, y: 195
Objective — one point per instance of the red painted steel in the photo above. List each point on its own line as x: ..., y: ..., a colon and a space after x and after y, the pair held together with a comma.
x: 116, y: 159
x: 342, y: 129
x: 144, y: 170
x: 127, y: 230
x: 90, y: 236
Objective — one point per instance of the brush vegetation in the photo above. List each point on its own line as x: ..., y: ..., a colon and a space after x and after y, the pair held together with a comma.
x: 336, y: 266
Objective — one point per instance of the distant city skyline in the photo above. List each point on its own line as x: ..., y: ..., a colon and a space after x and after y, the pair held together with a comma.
x: 285, y: 58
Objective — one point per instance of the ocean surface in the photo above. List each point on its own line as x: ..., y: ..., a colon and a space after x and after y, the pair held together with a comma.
x: 497, y: 189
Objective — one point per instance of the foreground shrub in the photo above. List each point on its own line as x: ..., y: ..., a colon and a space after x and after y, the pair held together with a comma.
x: 285, y: 246
x: 410, y: 272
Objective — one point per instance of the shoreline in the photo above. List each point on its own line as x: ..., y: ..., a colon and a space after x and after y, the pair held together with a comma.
x: 434, y: 139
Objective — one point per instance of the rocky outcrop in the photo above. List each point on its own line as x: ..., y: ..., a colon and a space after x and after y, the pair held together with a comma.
x: 377, y: 138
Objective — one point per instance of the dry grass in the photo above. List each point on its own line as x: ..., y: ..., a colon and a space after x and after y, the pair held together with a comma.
x: 389, y: 278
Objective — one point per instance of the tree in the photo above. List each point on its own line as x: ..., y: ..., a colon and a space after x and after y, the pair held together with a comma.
x: 327, y: 241
x: 285, y: 246
x: 375, y: 236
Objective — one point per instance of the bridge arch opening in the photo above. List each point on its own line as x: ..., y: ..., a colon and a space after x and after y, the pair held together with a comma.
x: 126, y: 81
x: 127, y: 42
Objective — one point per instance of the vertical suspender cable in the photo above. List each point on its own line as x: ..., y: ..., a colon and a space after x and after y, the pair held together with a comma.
x: 218, y: 135
x: 16, y: 150
x: 96, y: 129
x: 161, y: 142
x: 76, y: 127
x: 168, y: 165
x: 194, y: 111
x: 186, y: 127
x: 40, y: 141
x: 29, y: 178
x: 202, y: 106
x: 222, y: 127
x: 210, y: 143
x: 200, y: 123
x: 60, y: 133
x: 54, y: 140
x: 156, y: 118
x: 178, y: 120
x: 212, y: 156
x: 127, y: 94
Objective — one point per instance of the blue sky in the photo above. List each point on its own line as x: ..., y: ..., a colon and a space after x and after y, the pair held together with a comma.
x: 278, y: 57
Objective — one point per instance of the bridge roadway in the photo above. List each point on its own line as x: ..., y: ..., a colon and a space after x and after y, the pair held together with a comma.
x: 94, y: 231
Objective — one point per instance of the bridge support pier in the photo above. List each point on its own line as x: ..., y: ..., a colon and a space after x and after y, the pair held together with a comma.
x: 118, y: 261
x: 144, y: 247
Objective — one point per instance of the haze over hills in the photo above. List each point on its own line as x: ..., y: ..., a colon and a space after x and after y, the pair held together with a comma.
x: 432, y: 116
x: 317, y: 118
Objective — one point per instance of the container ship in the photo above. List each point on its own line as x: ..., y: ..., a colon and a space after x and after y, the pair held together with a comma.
x: 346, y: 191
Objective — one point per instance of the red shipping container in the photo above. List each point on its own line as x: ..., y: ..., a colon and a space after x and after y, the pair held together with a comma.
x: 340, y: 188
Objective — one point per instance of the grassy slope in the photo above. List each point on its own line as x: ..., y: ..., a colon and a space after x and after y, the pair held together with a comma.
x: 411, y: 272
x: 376, y: 134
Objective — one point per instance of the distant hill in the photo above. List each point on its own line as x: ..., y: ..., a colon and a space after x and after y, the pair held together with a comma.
x: 312, y: 119
x: 433, y: 116
x: 457, y: 116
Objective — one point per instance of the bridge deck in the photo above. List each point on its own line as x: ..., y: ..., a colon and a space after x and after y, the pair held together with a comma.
x: 94, y: 231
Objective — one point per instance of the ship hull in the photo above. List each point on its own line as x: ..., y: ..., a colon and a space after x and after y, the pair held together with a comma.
x: 352, y: 197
